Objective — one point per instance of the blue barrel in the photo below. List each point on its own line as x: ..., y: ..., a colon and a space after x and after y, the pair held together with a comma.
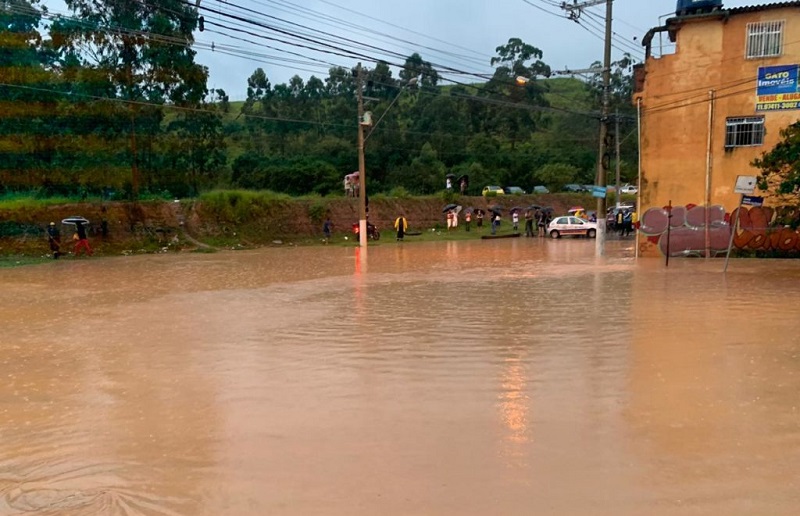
x: 697, y: 6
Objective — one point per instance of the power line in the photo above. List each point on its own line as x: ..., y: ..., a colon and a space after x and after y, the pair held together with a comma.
x: 310, y: 14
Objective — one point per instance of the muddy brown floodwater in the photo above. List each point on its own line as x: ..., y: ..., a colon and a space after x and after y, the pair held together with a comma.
x: 463, y: 378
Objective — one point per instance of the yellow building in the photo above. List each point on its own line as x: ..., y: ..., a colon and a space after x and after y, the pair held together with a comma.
x: 707, y: 110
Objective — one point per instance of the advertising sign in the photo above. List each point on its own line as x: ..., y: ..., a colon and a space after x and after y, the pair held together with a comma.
x: 778, y: 88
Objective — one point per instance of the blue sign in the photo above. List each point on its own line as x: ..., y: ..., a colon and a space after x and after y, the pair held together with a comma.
x: 599, y: 191
x: 752, y: 200
x: 775, y: 80
x: 778, y: 88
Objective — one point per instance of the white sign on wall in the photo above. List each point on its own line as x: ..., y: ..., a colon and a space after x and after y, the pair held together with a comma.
x: 746, y: 185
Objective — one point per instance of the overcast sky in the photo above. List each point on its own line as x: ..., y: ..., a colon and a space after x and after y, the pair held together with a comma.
x: 459, y: 34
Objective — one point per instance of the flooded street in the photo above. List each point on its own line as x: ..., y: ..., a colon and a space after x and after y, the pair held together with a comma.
x: 506, y: 377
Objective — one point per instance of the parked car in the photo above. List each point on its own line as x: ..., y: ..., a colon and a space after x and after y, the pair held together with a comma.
x: 573, y: 188
x: 513, y: 190
x: 540, y: 189
x: 628, y: 189
x: 494, y: 190
x: 568, y: 225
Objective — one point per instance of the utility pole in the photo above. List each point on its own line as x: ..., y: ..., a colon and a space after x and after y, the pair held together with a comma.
x: 603, y: 158
x: 362, y: 172
x: 574, y: 11
x: 619, y: 164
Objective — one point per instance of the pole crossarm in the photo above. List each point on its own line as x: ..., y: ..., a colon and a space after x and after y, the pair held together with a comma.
x: 575, y: 6
x: 577, y: 72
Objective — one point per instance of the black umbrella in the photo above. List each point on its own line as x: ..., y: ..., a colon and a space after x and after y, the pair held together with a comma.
x: 463, y: 177
x: 449, y: 207
x: 515, y: 208
x: 482, y: 212
x: 469, y: 210
x: 534, y: 207
x: 451, y: 176
x: 496, y: 208
x: 75, y: 220
x: 548, y: 210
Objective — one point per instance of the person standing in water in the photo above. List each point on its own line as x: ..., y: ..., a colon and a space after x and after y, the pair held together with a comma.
x: 401, y: 225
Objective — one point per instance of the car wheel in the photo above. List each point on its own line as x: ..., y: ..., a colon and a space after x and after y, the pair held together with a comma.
x: 591, y: 233
x: 555, y: 234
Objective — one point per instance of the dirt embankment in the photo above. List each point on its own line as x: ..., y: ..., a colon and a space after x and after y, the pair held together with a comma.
x: 152, y: 226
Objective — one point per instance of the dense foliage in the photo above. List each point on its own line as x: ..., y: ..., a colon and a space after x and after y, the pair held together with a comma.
x: 107, y: 101
x: 780, y: 167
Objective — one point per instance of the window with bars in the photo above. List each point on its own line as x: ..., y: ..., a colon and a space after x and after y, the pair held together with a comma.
x: 744, y: 132
x: 764, y: 39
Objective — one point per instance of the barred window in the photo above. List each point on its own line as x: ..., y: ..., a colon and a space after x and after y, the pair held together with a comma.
x: 744, y: 132
x: 764, y: 39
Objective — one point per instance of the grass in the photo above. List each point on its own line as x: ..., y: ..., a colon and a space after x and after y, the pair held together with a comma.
x: 20, y: 260
x: 27, y: 200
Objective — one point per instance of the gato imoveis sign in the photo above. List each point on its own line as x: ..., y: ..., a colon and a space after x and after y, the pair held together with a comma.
x: 777, y: 88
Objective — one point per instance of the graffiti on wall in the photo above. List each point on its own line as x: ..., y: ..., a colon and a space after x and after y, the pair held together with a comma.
x: 757, y: 231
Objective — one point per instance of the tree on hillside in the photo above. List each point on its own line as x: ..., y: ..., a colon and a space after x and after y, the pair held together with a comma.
x: 556, y: 175
x: 780, y: 167
x: 132, y: 46
x: 516, y: 59
x: 426, y: 75
x: 259, y: 91
x: 24, y: 121
x: 620, y: 86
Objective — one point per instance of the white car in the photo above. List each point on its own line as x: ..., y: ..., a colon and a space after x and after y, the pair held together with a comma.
x: 569, y: 225
x: 628, y: 189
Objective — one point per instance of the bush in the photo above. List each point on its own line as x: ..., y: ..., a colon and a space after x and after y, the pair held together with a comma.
x: 399, y: 193
x: 317, y: 210
x: 449, y: 196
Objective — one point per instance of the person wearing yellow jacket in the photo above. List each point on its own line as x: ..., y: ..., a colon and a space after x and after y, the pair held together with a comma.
x: 401, y: 225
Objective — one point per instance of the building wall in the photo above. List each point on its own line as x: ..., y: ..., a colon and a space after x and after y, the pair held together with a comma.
x: 675, y: 105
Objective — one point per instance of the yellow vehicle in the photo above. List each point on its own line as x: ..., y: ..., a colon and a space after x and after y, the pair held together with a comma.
x: 492, y: 190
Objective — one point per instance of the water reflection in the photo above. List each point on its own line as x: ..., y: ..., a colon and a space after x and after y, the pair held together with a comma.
x: 498, y: 377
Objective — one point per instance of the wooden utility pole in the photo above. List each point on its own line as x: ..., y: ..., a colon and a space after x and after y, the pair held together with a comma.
x: 362, y: 172
x: 619, y: 161
x: 604, y: 158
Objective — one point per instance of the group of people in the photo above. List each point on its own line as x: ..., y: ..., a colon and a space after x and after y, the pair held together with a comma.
x: 79, y: 237
x: 539, y: 217
x: 452, y: 220
x: 624, y: 221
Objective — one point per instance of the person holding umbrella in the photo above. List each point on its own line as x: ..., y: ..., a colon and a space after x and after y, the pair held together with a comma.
x: 479, y: 219
x: 495, y: 221
x: 528, y: 223
x: 541, y: 222
x: 83, y: 241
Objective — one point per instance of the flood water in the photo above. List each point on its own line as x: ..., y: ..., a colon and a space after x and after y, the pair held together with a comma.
x: 461, y: 378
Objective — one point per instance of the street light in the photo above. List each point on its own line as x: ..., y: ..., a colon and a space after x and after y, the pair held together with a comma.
x: 366, y: 121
